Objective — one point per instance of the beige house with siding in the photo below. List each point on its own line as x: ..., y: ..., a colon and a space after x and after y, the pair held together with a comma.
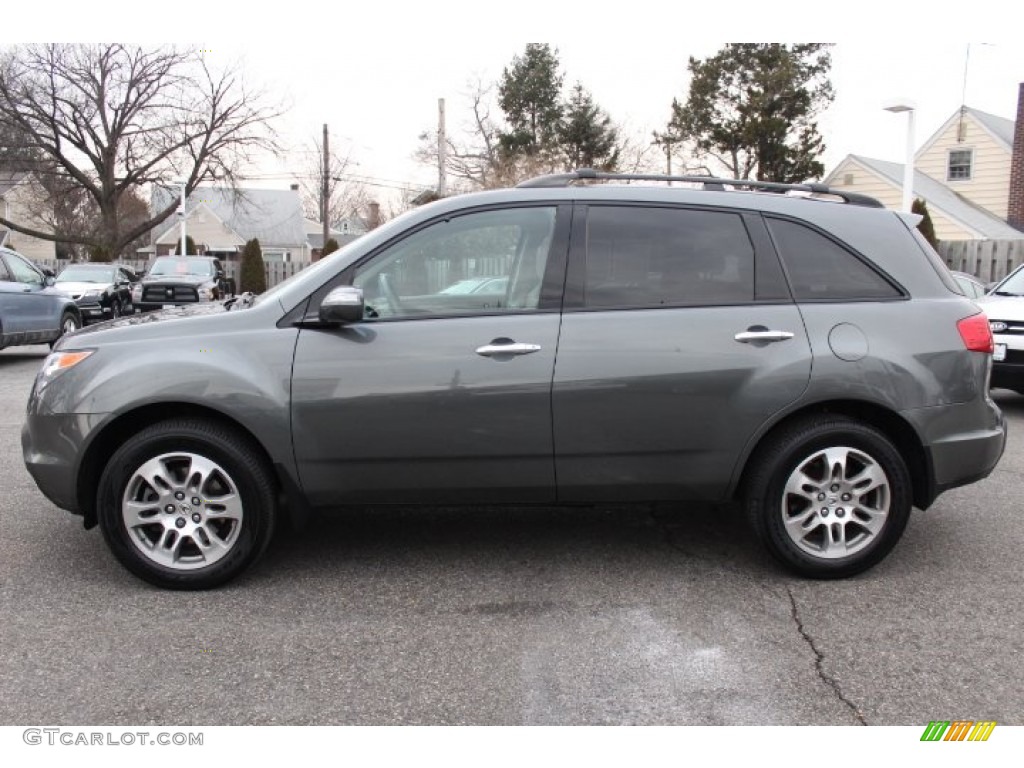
x: 962, y: 172
x: 20, y: 196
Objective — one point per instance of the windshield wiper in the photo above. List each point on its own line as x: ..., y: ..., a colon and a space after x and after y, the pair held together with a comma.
x: 1007, y: 293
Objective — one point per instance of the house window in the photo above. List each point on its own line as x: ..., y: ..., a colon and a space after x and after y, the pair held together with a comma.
x: 959, y: 164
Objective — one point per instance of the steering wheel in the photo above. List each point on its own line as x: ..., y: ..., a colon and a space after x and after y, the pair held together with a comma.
x: 395, y: 304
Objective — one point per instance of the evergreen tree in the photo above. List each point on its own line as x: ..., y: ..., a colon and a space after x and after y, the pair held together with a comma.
x: 329, y: 247
x: 586, y: 136
x: 529, y: 93
x: 753, y: 107
x: 252, y: 276
x: 190, y: 246
x: 925, y: 226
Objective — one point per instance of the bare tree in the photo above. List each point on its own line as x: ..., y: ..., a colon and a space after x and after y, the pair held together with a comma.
x: 108, y: 119
x: 475, y: 161
x: 345, y: 196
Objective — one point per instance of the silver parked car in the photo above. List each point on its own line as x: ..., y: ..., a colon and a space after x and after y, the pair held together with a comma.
x: 799, y: 350
x: 32, y: 311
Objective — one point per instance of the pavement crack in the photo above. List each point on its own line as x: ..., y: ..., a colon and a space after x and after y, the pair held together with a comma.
x: 819, y: 657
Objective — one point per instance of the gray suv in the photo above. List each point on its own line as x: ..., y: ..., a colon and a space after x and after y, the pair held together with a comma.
x: 793, y: 348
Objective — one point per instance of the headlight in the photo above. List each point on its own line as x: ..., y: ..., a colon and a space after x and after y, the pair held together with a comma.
x: 137, y: 292
x: 205, y: 294
x: 92, y: 292
x: 58, y: 362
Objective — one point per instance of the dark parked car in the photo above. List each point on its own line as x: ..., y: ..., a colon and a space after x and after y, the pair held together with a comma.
x: 181, y: 280
x: 793, y: 348
x: 32, y: 311
x: 102, y: 291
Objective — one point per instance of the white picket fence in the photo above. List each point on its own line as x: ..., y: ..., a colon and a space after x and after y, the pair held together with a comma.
x: 987, y: 260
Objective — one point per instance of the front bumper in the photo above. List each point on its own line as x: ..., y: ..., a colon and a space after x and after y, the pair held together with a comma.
x: 93, y: 311
x: 52, y: 446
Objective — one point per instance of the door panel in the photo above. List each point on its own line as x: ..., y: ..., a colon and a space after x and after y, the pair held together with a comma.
x: 658, y: 404
x: 408, y: 411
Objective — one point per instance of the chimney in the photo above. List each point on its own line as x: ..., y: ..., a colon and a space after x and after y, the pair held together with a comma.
x: 1015, y: 207
x: 374, y: 215
x: 295, y: 187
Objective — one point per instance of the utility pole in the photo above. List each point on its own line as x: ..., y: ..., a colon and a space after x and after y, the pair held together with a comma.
x: 181, y: 213
x: 325, y: 191
x: 442, y: 144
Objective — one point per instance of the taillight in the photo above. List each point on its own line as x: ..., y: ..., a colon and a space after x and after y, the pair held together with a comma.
x: 975, y: 332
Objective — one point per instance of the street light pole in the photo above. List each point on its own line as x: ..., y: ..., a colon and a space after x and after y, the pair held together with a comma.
x: 181, y: 214
x: 908, y: 165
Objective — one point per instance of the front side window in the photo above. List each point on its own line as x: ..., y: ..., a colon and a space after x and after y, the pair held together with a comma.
x: 959, y: 165
x: 820, y: 269
x: 480, y: 263
x: 652, y: 257
x: 22, y: 272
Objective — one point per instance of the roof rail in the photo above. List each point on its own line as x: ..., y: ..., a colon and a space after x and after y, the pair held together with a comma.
x: 709, y: 182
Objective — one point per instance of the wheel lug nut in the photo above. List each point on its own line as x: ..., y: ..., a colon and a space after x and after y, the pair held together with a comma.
x: 821, y: 497
x: 196, y: 501
x: 196, y: 517
x: 824, y: 511
x: 169, y: 508
x: 834, y: 488
x: 840, y: 512
x: 179, y: 495
x: 847, y: 497
x: 180, y: 522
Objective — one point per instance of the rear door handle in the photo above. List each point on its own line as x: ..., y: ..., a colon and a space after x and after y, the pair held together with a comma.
x: 495, y: 349
x: 748, y: 336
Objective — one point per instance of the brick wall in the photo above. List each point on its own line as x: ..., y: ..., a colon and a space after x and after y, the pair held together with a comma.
x: 1015, y: 209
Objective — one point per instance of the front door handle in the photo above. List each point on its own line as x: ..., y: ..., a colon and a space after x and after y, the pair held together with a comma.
x: 748, y: 336
x: 500, y: 347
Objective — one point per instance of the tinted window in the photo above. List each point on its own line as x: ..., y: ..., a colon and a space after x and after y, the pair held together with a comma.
x: 649, y: 257
x: 487, y: 262
x: 5, y: 276
x: 822, y: 269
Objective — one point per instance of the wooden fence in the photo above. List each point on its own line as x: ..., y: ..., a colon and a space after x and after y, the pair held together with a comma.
x: 987, y: 260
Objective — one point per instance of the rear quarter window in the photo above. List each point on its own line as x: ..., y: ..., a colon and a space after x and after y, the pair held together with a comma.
x: 820, y: 269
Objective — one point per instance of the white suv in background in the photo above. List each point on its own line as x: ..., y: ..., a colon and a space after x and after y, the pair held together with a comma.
x: 1004, y: 306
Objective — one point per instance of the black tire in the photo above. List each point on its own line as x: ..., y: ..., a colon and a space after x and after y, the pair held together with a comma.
x: 244, y: 471
x: 812, y: 550
x: 69, y: 323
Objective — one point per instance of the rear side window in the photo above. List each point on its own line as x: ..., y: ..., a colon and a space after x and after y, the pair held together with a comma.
x: 821, y: 269
x: 650, y: 257
x: 5, y: 276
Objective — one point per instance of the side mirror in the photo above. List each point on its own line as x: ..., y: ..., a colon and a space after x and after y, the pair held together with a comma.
x: 49, y: 272
x: 140, y: 274
x: 342, y: 305
x: 49, y: 281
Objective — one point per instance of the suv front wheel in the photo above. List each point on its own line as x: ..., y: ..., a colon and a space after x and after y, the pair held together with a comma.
x: 186, y: 504
x: 829, y: 496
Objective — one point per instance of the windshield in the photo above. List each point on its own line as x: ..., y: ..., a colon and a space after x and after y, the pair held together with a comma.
x: 86, y: 275
x: 1011, y: 286
x: 167, y: 266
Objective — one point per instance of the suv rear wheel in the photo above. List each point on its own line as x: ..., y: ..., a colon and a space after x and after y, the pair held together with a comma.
x: 829, y: 496
x: 186, y: 504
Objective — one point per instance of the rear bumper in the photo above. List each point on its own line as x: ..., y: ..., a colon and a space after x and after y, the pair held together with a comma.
x: 964, y: 442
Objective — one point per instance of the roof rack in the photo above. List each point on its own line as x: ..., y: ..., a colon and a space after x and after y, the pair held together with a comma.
x: 709, y: 182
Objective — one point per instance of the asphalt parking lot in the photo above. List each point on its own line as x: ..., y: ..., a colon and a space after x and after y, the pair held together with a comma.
x: 506, y: 617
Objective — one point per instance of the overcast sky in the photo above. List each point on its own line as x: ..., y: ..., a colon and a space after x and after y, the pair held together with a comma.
x: 374, y: 72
